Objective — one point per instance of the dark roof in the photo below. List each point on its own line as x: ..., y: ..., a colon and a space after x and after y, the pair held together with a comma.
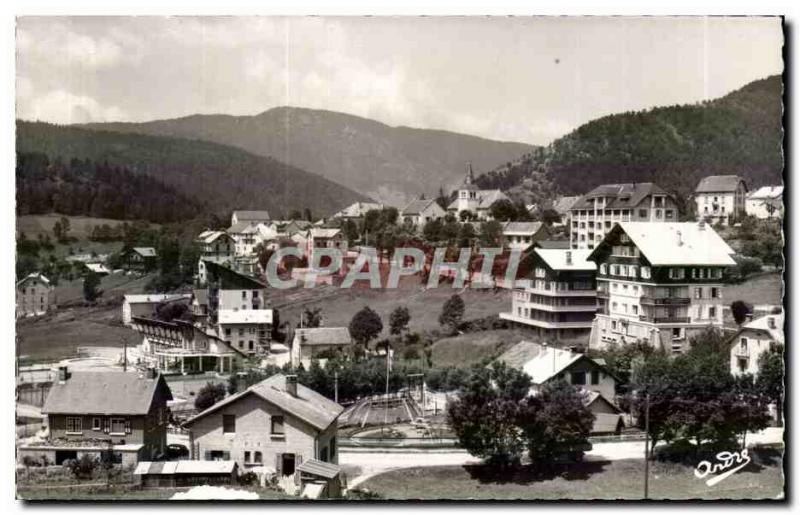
x: 551, y: 244
x: 416, y: 207
x: 260, y: 216
x: 320, y: 468
x: 229, y: 277
x: 719, y: 184
x: 104, y: 393
x: 309, y: 406
x: 624, y: 195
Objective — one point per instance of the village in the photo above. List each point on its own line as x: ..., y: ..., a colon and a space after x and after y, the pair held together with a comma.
x: 592, y: 306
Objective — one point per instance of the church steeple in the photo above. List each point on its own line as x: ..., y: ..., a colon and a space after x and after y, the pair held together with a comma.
x: 470, y: 178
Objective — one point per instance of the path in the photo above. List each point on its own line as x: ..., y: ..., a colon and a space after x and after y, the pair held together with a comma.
x: 377, y: 461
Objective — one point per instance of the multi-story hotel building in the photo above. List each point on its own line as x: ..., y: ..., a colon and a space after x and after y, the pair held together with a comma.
x: 595, y: 213
x: 559, y: 300
x: 659, y: 283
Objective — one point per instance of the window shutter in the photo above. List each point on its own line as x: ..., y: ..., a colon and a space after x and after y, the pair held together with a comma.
x: 298, y: 459
x: 279, y: 464
x: 128, y: 426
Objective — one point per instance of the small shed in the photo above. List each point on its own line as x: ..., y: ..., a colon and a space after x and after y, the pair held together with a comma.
x: 153, y: 474
x: 320, y: 480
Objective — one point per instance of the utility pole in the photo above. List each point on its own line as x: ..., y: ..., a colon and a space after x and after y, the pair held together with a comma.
x: 646, y: 444
x: 124, y: 354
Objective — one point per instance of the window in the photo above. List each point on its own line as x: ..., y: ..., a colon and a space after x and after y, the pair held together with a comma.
x: 228, y: 423
x: 668, y: 214
x: 743, y: 343
x: 645, y: 272
x: 333, y: 446
x: 277, y: 425
x: 323, y: 454
x: 698, y: 293
x: 613, y: 325
x: 255, y: 294
x: 247, y: 457
x: 227, y: 331
x: 595, y: 377
x: 635, y: 309
x: 96, y: 426
x: 244, y: 294
x: 642, y: 213
x: 742, y: 362
x: 603, y: 269
x: 712, y: 312
x: 714, y: 293
x: 74, y: 425
x: 578, y: 377
x: 250, y: 345
x: 241, y: 331
x: 119, y: 426
x: 257, y: 457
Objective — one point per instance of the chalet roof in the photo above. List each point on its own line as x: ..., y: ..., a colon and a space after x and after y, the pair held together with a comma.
x: 309, y: 406
x: 34, y: 277
x: 153, y: 298
x: 766, y: 192
x: 97, y: 268
x: 520, y: 353
x: 104, y: 393
x: 524, y: 228
x: 719, y: 184
x: 545, y: 366
x: 623, y: 195
x: 145, y: 251
x: 357, y: 209
x: 245, y: 316
x: 324, y: 336
x: 230, y: 278
x: 659, y: 242
x: 320, y: 468
x: 606, y: 422
x: 253, y: 216
x: 210, y: 236
x: 564, y: 204
x: 238, y: 227
x: 761, y: 325
x: 416, y: 207
x: 556, y: 259
x: 321, y: 232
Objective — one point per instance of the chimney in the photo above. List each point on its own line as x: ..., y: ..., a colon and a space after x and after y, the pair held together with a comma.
x: 291, y: 385
x: 63, y: 374
x: 569, y: 257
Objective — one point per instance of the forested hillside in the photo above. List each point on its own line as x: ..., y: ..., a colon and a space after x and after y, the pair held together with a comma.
x: 82, y: 187
x: 390, y: 164
x: 221, y: 177
x: 674, y: 146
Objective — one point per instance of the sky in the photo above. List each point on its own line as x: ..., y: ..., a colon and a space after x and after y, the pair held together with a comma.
x: 526, y: 79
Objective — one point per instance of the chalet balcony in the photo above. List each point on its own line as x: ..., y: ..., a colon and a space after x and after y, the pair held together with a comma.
x: 664, y: 301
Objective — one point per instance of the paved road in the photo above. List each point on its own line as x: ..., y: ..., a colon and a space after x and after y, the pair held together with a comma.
x: 378, y: 461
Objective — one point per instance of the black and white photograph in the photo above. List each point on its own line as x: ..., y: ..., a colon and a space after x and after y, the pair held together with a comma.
x: 288, y: 258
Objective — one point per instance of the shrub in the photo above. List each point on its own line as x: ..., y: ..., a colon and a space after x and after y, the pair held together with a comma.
x: 209, y: 395
x: 84, y: 467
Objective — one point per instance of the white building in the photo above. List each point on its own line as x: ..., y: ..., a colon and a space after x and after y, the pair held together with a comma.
x: 474, y: 200
x: 594, y: 214
x: 659, y: 283
x: 357, y: 210
x: 34, y: 295
x: 249, y: 217
x: 721, y: 198
x: 319, y: 343
x: 521, y: 235
x: 752, y: 340
x: 765, y: 202
x: 420, y: 212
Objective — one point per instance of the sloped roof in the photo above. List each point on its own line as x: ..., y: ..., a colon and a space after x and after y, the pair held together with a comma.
x: 556, y: 259
x: 210, y: 236
x: 766, y: 192
x: 255, y: 216
x: 321, y: 232
x: 34, y: 277
x: 357, y: 209
x: 520, y: 353
x: 623, y: 195
x: 320, y: 468
x: 551, y: 244
x: 564, y: 204
x: 309, y: 406
x: 659, y: 242
x: 324, y: 336
x: 145, y: 251
x: 231, y: 277
x: 155, y: 298
x: 762, y: 324
x: 245, y: 316
x: 719, y: 184
x: 416, y: 207
x: 104, y: 393
x: 489, y: 197
x: 544, y: 365
x: 525, y: 228
x: 238, y: 227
